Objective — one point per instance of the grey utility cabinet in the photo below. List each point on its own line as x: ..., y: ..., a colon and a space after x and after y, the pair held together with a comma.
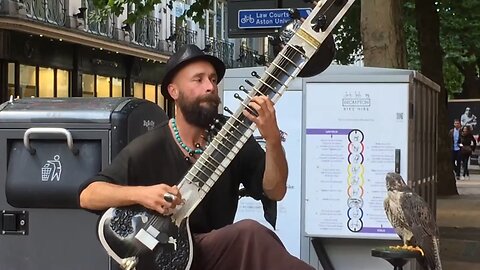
x: 48, y: 149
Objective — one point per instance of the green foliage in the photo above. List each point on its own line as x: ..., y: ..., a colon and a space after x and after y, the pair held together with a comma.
x: 143, y: 8
x: 411, y: 36
x: 347, y: 37
x: 460, y: 38
x: 453, y: 78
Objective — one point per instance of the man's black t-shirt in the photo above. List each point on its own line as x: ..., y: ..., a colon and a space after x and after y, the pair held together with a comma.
x: 155, y: 158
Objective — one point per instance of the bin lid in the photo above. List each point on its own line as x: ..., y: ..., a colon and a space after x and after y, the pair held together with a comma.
x: 61, y: 110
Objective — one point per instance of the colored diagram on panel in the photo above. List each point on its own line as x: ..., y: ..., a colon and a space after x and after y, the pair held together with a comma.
x: 355, y: 179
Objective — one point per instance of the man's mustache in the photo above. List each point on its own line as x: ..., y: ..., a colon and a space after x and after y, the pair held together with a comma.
x: 210, y: 98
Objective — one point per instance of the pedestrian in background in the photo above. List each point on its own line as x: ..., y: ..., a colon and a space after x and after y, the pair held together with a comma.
x: 455, y: 140
x: 467, y: 146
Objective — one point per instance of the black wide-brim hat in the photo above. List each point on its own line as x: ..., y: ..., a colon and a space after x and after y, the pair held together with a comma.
x: 187, y: 54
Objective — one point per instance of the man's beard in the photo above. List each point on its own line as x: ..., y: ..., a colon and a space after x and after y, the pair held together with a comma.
x: 196, y: 113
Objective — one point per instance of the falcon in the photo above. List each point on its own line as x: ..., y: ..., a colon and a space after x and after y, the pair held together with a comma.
x: 413, y: 221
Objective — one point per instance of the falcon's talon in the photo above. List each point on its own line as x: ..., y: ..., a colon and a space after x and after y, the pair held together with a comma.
x: 419, y: 250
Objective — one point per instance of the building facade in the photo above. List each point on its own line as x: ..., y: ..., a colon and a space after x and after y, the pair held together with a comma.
x: 52, y: 48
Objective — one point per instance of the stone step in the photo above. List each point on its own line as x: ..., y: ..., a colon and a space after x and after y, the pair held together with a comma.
x: 460, y: 233
x: 455, y: 265
x: 460, y: 248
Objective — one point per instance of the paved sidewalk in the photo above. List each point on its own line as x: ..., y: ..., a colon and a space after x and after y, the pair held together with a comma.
x: 462, y: 210
x: 459, y: 220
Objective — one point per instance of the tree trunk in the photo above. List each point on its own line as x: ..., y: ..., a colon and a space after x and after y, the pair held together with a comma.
x: 431, y: 60
x: 383, y: 37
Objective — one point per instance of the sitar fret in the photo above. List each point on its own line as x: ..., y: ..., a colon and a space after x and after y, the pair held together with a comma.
x: 258, y: 91
x: 189, y: 172
x: 223, y: 154
x: 209, y: 162
x: 233, y: 145
x: 288, y: 59
x: 240, y: 122
x: 232, y: 132
x: 267, y: 85
x: 298, y: 51
x: 202, y: 166
x: 280, y: 68
x: 276, y: 79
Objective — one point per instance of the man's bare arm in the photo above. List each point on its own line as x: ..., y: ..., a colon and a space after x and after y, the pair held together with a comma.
x: 102, y: 195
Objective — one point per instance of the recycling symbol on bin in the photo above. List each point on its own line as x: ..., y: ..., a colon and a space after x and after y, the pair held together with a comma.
x: 52, y: 170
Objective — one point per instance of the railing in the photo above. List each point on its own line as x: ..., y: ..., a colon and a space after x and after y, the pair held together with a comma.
x: 105, y: 27
x: 182, y: 36
x: 247, y: 57
x: 49, y: 11
x: 221, y: 49
x: 147, y: 32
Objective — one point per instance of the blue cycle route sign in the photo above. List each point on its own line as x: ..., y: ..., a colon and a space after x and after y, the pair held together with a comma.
x: 267, y: 18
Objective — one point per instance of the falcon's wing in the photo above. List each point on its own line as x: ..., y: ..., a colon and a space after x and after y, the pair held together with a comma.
x: 422, y: 225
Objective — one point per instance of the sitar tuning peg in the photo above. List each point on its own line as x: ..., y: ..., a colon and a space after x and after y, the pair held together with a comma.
x: 250, y: 83
x: 217, y: 123
x: 320, y: 24
x: 255, y: 74
x: 242, y: 88
x: 227, y: 110
x: 294, y: 14
x: 237, y: 96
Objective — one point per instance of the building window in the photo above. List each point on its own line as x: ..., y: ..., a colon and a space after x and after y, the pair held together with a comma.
x: 63, y: 83
x: 150, y: 93
x: 46, y: 82
x: 117, y: 87
x: 101, y: 86
x: 35, y: 81
x: 215, y: 19
x: 138, y: 90
x: 219, y: 20
x: 88, y: 85
x: 11, y: 79
x: 28, y: 81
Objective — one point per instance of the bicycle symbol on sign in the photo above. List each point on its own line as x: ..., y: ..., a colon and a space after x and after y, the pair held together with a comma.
x: 247, y: 18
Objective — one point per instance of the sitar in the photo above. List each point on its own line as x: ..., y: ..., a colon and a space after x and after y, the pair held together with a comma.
x: 127, y: 233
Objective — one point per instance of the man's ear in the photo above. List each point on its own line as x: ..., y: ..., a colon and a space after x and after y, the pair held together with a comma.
x: 172, y: 90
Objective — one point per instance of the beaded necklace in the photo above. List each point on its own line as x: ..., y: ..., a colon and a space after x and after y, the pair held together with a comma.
x: 190, y: 151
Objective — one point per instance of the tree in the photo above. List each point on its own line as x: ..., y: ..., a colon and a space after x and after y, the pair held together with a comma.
x: 460, y: 37
x: 431, y: 62
x: 382, y: 33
